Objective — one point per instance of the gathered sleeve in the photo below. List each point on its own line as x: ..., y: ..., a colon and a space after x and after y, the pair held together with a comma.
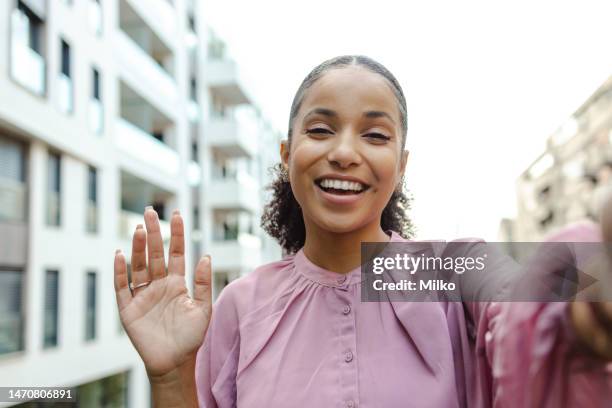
x: 217, y: 357
x: 532, y: 352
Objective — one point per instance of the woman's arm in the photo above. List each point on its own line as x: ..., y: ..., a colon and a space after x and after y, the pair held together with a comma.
x: 176, y: 388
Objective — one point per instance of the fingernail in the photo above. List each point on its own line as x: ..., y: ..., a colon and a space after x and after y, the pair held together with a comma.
x: 176, y: 212
x: 139, y: 226
x: 117, y: 251
x: 148, y: 207
x: 206, y: 259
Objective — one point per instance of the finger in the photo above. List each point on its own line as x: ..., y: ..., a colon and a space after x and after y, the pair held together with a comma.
x: 139, y: 260
x: 176, y: 255
x: 155, y: 245
x: 122, y: 290
x: 202, y: 287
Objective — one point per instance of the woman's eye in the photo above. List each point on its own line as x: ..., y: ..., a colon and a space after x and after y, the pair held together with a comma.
x: 318, y: 130
x: 378, y: 136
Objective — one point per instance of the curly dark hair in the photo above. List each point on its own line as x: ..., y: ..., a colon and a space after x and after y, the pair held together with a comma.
x: 282, y: 216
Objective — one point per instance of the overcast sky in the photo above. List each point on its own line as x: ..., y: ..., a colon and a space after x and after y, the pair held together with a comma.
x: 486, y: 83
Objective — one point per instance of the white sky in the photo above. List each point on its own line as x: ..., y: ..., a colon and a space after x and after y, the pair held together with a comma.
x: 486, y: 83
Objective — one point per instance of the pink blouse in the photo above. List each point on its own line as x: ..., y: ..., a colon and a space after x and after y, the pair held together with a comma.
x: 292, y: 334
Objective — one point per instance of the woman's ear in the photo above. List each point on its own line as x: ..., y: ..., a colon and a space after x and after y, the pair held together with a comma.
x: 284, y: 153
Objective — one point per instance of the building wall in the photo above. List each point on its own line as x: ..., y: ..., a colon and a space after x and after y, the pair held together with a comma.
x: 567, y: 182
x: 131, y: 167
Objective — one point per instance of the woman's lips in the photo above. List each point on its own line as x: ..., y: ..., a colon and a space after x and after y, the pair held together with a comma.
x: 339, y: 199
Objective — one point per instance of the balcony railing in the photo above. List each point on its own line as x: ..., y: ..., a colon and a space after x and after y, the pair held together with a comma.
x: 146, y: 69
x: 96, y: 116
x: 95, y: 17
x: 193, y: 111
x: 231, y: 136
x: 12, y: 200
x: 129, y: 220
x: 194, y: 173
x: 91, y: 220
x: 242, y: 253
x: 27, y: 67
x: 146, y: 148
x: 53, y: 208
x: 240, y: 192
x: 65, y: 93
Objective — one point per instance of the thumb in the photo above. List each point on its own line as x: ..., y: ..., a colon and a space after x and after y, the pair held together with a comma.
x: 202, y: 287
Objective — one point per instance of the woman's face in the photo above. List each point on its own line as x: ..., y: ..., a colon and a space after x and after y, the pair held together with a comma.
x: 346, y: 156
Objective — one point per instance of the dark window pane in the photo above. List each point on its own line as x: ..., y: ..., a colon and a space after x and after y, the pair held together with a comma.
x: 92, y: 185
x: 65, y: 59
x: 90, y: 312
x: 51, y: 309
x: 11, y: 160
x: 53, y: 189
x: 96, y: 85
x: 11, y: 321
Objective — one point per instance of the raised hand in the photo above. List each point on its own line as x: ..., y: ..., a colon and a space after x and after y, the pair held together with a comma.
x: 165, y: 325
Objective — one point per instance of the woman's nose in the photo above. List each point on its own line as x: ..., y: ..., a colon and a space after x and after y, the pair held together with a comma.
x: 344, y: 152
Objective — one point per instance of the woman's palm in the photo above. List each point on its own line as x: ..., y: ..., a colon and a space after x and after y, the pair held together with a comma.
x: 165, y: 325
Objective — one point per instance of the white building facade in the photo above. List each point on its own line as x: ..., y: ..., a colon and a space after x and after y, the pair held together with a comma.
x: 107, y: 106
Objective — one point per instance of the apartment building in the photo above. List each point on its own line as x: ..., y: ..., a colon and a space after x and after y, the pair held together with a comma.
x: 107, y: 106
x: 567, y: 182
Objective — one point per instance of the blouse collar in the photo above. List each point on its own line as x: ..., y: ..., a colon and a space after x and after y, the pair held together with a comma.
x: 329, y: 278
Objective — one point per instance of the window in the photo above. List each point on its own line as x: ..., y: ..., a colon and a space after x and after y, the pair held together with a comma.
x: 11, y: 319
x: 64, y: 81
x: 34, y: 27
x: 27, y: 55
x: 65, y: 59
x: 92, y: 200
x: 90, y: 306
x: 51, y: 309
x: 12, y: 180
x: 193, y: 89
x: 53, y: 190
x: 96, y: 110
x: 96, y: 94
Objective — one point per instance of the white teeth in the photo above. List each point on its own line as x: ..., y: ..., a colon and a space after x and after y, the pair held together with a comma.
x: 342, y: 184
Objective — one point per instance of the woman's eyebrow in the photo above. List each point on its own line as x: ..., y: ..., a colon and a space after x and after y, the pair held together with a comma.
x: 332, y: 114
x: 378, y: 114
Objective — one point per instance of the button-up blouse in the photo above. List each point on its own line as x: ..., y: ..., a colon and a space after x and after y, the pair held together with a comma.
x: 292, y: 334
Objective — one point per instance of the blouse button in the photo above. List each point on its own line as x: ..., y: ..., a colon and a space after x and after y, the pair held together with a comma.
x: 348, y: 356
x: 350, y: 404
x: 341, y: 279
x: 346, y: 309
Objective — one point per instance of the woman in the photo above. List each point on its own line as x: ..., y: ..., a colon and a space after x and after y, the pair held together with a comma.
x: 294, y: 333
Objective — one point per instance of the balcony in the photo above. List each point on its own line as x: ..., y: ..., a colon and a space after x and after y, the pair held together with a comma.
x: 129, y: 220
x: 157, y: 14
x: 27, y: 67
x: 65, y: 94
x: 144, y: 147
x: 230, y: 136
x: 239, y: 193
x: 243, y: 253
x: 12, y: 200
x: 143, y: 72
x: 224, y: 81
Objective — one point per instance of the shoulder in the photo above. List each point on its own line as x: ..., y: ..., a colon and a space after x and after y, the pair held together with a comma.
x: 260, y: 286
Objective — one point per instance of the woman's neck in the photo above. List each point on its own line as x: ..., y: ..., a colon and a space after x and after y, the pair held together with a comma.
x: 339, y: 252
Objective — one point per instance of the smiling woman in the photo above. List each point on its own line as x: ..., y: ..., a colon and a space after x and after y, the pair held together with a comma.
x: 296, y: 333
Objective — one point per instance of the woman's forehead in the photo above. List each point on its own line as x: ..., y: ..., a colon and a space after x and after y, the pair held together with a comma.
x: 353, y: 89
